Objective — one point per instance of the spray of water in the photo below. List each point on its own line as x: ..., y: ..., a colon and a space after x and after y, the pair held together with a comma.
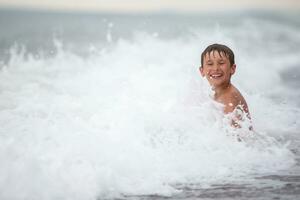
x: 132, y: 118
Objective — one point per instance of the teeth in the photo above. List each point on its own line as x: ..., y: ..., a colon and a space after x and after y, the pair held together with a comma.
x: 215, y: 76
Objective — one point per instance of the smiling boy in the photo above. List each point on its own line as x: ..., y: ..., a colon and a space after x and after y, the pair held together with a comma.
x: 218, y: 65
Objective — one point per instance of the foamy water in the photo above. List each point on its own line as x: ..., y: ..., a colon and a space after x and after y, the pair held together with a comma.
x: 135, y: 117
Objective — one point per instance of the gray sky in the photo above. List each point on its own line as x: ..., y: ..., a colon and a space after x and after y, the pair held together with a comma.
x: 151, y: 5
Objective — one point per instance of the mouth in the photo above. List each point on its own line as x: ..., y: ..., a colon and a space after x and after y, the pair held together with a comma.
x: 215, y: 76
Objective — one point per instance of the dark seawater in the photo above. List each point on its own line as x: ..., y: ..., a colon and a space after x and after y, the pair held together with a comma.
x: 61, y: 118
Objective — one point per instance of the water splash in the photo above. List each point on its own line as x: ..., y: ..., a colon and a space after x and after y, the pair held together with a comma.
x: 133, y: 119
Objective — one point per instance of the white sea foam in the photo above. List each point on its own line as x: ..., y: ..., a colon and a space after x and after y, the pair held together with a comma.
x: 134, y: 118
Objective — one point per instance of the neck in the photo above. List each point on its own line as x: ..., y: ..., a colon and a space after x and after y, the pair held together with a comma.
x: 221, y: 90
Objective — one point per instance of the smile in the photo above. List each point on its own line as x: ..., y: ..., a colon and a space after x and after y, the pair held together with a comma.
x: 215, y: 76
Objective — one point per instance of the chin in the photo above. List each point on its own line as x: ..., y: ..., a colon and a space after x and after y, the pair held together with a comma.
x: 216, y: 84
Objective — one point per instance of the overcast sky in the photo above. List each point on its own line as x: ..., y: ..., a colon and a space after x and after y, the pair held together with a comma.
x: 151, y: 5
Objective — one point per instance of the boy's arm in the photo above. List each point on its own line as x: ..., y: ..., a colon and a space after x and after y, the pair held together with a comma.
x: 235, y: 100
x: 239, y: 109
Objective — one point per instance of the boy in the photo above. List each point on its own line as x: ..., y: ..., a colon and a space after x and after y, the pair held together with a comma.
x: 217, y: 65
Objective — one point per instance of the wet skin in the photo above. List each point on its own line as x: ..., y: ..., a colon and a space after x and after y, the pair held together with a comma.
x: 218, y: 71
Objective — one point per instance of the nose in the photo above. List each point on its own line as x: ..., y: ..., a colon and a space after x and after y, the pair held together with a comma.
x: 216, y: 67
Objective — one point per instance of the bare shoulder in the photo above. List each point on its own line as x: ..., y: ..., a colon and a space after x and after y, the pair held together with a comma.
x: 234, y: 99
x: 235, y: 103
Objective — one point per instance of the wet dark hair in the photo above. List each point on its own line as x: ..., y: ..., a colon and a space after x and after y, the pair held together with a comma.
x: 220, y: 48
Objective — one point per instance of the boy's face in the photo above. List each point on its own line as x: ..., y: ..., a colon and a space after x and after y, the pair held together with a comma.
x: 217, y: 69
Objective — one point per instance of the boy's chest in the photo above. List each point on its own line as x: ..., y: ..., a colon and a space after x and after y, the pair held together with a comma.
x: 225, y: 99
x: 229, y: 102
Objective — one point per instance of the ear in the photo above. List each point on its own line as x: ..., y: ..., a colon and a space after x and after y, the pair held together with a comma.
x: 201, y: 71
x: 232, y: 69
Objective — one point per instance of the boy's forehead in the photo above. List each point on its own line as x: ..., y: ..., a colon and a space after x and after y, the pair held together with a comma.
x: 215, y: 54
